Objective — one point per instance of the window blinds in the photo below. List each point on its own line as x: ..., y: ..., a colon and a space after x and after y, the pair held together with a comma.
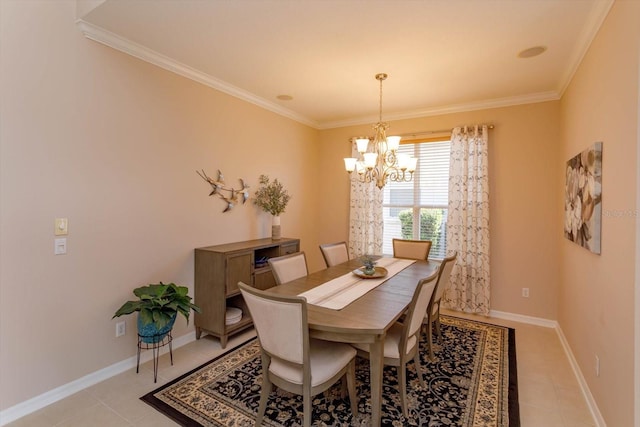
x: 417, y: 209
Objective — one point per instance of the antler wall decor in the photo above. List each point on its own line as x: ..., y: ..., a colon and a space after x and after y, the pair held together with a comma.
x: 219, y: 187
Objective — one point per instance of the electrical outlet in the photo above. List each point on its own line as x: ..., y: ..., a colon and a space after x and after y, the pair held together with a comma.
x: 525, y: 292
x: 121, y: 329
x: 597, y: 366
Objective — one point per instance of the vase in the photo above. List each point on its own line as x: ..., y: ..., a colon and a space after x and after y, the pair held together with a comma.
x: 369, y: 270
x: 275, y: 227
x: 150, y: 334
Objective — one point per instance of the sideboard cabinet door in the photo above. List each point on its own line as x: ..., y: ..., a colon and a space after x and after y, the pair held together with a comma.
x: 238, y: 270
x: 218, y: 269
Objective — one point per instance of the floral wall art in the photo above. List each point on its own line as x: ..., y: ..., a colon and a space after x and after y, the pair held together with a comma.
x: 583, y: 198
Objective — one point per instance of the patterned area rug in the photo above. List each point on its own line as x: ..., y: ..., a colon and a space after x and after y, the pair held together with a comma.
x: 473, y: 382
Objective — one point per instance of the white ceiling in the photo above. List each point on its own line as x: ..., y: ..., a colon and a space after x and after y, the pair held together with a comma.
x: 441, y: 55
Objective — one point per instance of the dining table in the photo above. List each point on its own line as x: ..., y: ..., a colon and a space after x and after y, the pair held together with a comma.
x: 365, y: 320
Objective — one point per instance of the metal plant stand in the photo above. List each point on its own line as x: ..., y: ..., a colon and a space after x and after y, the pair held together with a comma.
x: 157, y: 341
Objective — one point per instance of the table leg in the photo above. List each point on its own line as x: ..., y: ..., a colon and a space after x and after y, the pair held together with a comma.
x: 376, y: 359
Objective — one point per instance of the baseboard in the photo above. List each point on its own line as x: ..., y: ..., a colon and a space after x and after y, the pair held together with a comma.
x: 584, y: 387
x: 45, y: 399
x: 538, y: 321
x: 25, y: 408
x: 591, y: 403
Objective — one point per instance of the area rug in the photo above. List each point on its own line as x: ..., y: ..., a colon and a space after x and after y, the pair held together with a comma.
x: 472, y: 382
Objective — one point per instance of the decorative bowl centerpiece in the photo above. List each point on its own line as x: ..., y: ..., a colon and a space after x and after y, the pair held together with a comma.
x: 368, y: 265
x: 369, y: 269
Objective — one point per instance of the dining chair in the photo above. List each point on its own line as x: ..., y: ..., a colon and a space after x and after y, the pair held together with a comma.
x: 411, y: 249
x: 402, y: 342
x: 433, y: 311
x: 288, y: 267
x: 290, y: 359
x: 334, y: 253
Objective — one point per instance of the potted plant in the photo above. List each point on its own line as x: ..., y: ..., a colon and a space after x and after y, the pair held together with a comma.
x: 157, y: 307
x: 273, y: 198
x: 368, y: 264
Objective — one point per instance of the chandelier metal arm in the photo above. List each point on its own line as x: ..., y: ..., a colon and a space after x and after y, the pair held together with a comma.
x: 378, y: 160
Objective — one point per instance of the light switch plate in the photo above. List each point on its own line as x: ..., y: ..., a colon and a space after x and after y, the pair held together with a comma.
x: 61, y: 227
x: 60, y: 246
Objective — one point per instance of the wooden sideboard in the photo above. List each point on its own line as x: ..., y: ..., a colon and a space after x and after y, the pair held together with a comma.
x: 218, y: 269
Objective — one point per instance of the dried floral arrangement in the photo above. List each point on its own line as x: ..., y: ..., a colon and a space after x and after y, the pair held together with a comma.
x: 271, y: 196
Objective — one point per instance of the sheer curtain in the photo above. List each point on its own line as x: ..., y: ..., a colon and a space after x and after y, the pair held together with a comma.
x: 366, y: 224
x: 468, y: 221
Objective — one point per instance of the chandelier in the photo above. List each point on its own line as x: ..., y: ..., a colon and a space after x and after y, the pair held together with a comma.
x: 379, y: 160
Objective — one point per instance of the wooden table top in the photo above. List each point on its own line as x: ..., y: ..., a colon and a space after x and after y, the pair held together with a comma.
x: 368, y: 317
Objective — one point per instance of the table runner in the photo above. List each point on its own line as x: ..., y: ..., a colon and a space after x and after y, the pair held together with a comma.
x: 342, y: 291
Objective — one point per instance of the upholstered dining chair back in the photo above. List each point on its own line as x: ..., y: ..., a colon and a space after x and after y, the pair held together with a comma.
x: 402, y: 342
x: 281, y: 324
x: 290, y: 359
x: 445, y: 276
x: 433, y: 311
x: 288, y: 267
x: 411, y: 249
x: 335, y: 253
x: 418, y: 309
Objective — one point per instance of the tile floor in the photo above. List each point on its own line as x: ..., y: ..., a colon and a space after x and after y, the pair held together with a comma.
x: 549, y: 392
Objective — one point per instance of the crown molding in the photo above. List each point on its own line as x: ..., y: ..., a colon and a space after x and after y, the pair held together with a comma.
x: 594, y: 22
x: 457, y: 108
x: 122, y: 44
x: 100, y: 35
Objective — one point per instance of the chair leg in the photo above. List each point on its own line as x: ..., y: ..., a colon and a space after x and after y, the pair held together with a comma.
x: 437, y: 320
x: 265, y: 391
x: 307, y: 410
x: 402, y: 375
x: 344, y: 387
x: 430, y: 339
x: 264, y: 398
x: 438, y: 331
x: 416, y: 361
x: 351, y: 385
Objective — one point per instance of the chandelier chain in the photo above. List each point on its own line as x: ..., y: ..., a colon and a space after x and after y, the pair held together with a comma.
x: 380, y: 110
x: 380, y: 77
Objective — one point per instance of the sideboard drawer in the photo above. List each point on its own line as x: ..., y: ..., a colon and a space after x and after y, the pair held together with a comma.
x: 289, y: 248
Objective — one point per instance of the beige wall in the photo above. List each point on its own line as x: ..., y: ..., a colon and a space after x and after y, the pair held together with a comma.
x: 596, y: 299
x: 113, y: 143
x: 524, y: 200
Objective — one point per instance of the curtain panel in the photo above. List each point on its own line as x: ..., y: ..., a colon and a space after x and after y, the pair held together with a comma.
x: 366, y: 224
x: 468, y: 221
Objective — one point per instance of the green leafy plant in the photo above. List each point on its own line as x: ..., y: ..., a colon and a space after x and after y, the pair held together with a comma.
x: 158, y: 303
x: 271, y: 196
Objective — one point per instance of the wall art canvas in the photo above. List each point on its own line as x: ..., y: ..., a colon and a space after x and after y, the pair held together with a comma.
x: 583, y: 198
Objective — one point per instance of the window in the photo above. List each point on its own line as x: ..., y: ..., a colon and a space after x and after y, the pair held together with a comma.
x: 418, y: 209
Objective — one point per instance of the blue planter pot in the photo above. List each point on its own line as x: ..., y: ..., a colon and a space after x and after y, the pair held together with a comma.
x: 150, y: 334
